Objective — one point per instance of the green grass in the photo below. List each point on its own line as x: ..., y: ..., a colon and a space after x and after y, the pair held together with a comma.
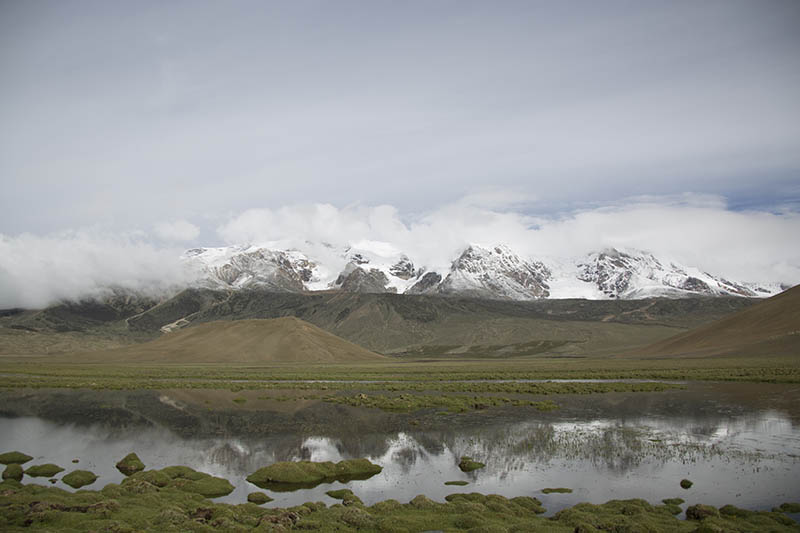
x: 467, y: 464
x: 9, y: 458
x: 181, y: 478
x: 45, y: 470
x: 558, y: 490
x: 79, y: 478
x: 291, y: 475
x: 130, y: 464
x: 258, y: 498
x: 346, y: 495
x: 138, y: 505
x: 452, y: 403
x: 13, y: 471
x: 32, y: 373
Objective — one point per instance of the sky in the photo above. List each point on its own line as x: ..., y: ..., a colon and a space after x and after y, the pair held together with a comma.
x: 130, y: 131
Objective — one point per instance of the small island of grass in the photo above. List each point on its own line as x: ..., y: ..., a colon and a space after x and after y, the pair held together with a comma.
x: 79, y: 478
x: 258, y: 498
x: 130, y: 464
x: 558, y: 490
x: 290, y: 475
x: 467, y: 464
x: 45, y: 470
x: 9, y: 458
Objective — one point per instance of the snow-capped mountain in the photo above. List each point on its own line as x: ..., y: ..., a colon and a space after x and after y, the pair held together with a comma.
x: 637, y: 274
x: 237, y: 267
x: 375, y: 270
x: 496, y: 272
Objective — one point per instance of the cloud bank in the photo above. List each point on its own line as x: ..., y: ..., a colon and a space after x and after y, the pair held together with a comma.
x: 697, y: 231
x: 178, y: 230
x: 39, y: 270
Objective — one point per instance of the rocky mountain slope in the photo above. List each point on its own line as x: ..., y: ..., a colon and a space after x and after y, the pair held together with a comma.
x: 495, y: 272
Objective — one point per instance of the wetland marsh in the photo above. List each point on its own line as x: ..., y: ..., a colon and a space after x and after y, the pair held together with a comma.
x: 579, y: 435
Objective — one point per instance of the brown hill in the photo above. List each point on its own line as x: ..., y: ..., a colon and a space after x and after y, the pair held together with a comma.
x: 771, y: 327
x: 276, y: 340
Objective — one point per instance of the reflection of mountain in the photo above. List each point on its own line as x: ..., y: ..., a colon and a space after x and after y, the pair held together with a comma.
x: 613, y: 433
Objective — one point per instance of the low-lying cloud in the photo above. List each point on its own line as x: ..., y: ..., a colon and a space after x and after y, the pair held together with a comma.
x: 698, y: 231
x: 39, y: 270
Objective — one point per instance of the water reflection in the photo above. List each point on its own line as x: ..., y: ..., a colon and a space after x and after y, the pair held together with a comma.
x: 601, y: 447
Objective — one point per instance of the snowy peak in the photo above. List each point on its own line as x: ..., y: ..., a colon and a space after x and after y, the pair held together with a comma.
x: 495, y: 272
x: 249, y: 267
x: 377, y: 268
x: 637, y: 274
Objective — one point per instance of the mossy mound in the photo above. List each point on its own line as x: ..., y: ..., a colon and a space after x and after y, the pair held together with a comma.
x: 620, y: 515
x: 686, y: 484
x: 18, y: 458
x: 45, y: 470
x: 468, y: 465
x: 258, y: 498
x: 672, y: 501
x: 700, y: 511
x: 130, y: 464
x: 291, y: 475
x: 788, y: 508
x: 185, y: 479
x: 346, y: 495
x: 79, y: 478
x: 13, y: 471
x: 457, y: 483
x: 557, y: 490
x: 477, y: 503
x: 116, y: 508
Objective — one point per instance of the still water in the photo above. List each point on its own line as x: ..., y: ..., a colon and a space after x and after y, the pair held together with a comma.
x: 738, y: 443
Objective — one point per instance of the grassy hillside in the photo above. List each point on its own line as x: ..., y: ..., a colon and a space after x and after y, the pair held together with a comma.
x: 281, y: 340
x: 438, y: 326
x: 403, y: 325
x: 771, y: 327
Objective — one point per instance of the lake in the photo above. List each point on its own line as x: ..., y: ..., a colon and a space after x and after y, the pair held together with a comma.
x: 738, y: 443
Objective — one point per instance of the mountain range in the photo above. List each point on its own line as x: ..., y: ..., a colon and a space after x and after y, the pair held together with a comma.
x: 493, y: 272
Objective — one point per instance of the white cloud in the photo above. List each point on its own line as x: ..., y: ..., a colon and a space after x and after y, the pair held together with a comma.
x: 36, y: 271
x: 178, y: 230
x: 695, y: 230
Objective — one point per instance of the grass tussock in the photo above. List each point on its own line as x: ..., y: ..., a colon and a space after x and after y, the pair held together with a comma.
x: 143, y: 506
x: 290, y: 475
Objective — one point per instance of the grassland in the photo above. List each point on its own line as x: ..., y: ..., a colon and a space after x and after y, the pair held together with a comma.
x: 23, y: 372
x: 409, y: 386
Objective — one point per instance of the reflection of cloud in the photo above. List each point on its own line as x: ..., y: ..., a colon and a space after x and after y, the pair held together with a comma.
x: 320, y: 449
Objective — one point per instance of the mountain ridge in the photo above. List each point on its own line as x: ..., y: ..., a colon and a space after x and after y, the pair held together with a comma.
x: 494, y: 272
